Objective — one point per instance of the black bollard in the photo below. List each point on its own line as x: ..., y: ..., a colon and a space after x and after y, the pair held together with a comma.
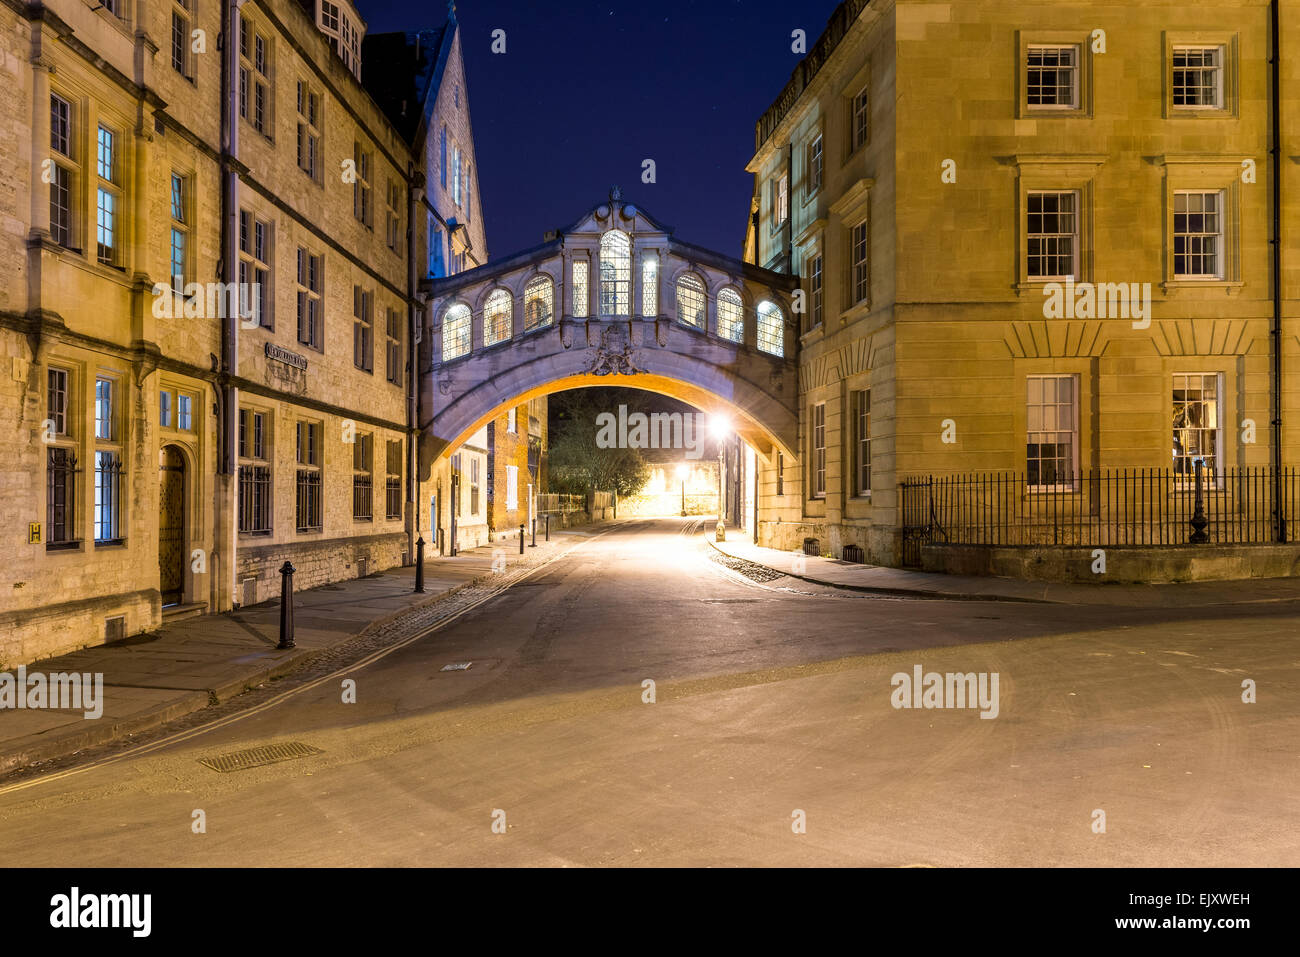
x: 286, y: 606
x: 521, y: 538
x: 419, y: 564
x: 548, y: 526
x: 533, y: 543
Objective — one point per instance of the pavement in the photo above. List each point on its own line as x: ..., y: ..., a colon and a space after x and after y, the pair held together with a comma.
x: 902, y: 582
x: 157, y: 677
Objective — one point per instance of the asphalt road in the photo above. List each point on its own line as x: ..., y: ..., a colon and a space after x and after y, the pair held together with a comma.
x: 773, y: 704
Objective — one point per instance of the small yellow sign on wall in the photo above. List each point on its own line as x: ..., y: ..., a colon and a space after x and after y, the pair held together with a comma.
x: 34, y: 533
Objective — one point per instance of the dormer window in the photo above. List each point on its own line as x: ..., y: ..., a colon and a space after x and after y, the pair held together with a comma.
x: 344, y: 31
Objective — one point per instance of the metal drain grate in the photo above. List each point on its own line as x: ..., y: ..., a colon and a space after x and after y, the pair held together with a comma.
x: 257, y: 757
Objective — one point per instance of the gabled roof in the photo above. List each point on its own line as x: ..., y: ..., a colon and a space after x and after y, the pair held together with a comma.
x: 591, y: 214
x: 403, y: 72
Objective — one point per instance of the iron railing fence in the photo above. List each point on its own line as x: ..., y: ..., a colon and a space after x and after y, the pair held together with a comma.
x: 1101, y: 507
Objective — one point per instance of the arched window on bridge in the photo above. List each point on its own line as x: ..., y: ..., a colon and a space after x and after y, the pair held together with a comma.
x: 691, y: 300
x: 615, y: 273
x: 455, y: 332
x: 731, y: 315
x: 771, y: 328
x: 497, y: 316
x: 539, y: 299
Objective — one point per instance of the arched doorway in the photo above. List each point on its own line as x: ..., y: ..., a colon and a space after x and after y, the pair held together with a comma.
x: 171, y: 525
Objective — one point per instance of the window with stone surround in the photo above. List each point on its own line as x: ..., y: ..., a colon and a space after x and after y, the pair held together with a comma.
x: 1198, y: 234
x: 308, y: 480
x: 615, y: 273
x: 61, y: 462
x: 362, y: 480
x: 1052, y: 232
x: 395, y: 361
x: 498, y: 317
x: 182, y: 13
x: 1052, y: 76
x: 254, y: 472
x: 1197, y: 424
x: 771, y: 328
x: 180, y: 230
x: 579, y: 271
x: 63, y: 171
x: 108, y: 197
x: 1197, y: 78
x: 691, y: 301
x: 650, y: 283
x: 311, y: 282
x: 1052, y: 431
x: 363, y: 194
x: 861, y: 405
x: 393, y: 481
x: 310, y: 123
x: 817, y: 448
x: 108, y: 461
x: 455, y: 332
x: 363, y: 328
x: 255, y: 97
x: 731, y: 315
x: 539, y: 302
x: 255, y: 269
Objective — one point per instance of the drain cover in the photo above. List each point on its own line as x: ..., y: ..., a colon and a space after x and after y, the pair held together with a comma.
x: 457, y: 666
x: 256, y: 757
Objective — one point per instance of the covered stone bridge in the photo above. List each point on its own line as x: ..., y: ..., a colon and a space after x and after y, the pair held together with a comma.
x: 614, y: 300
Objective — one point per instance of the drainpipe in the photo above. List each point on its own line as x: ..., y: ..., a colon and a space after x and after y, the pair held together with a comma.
x: 1275, y: 133
x: 227, y: 463
x: 413, y: 197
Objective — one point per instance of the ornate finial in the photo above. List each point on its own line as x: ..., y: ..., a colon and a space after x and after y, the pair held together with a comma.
x: 451, y: 11
x: 615, y: 194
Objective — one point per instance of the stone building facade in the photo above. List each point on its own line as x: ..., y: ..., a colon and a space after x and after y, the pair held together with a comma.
x: 210, y: 324
x: 932, y: 169
x: 516, y: 466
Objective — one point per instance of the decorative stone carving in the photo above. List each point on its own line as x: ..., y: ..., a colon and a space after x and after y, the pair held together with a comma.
x: 614, y: 355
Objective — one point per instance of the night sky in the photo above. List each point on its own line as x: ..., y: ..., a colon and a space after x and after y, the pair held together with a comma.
x: 586, y: 91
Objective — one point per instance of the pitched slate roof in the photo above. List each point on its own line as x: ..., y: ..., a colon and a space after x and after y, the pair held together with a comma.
x: 403, y: 72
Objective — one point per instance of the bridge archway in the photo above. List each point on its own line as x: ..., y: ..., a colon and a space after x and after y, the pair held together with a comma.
x: 648, y: 312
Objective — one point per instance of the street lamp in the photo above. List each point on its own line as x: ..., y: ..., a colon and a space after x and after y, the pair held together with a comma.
x: 682, y: 472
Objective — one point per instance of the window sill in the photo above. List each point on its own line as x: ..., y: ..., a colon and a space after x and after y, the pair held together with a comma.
x: 63, y: 546
x: 1230, y: 286
x: 1026, y: 286
x: 1068, y: 112
x: 1199, y: 113
x: 110, y: 543
x: 255, y: 533
x: 855, y: 312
